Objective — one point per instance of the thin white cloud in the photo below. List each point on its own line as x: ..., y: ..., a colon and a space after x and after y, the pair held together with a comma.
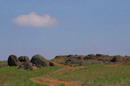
x: 35, y: 20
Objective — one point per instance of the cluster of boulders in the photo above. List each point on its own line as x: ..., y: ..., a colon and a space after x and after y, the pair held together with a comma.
x: 92, y: 59
x: 38, y: 61
x: 23, y: 62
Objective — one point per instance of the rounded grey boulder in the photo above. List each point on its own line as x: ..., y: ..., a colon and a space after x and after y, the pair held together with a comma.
x: 13, y: 60
x: 23, y: 59
x: 39, y: 61
x: 118, y: 58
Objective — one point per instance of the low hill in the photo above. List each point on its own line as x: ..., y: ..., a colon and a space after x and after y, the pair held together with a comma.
x: 91, y: 59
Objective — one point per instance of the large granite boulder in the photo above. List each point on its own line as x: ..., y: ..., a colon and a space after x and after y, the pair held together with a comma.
x: 118, y: 58
x: 13, y: 60
x: 40, y: 61
x: 23, y: 59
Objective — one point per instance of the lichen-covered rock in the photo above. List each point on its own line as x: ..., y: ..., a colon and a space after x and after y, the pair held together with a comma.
x: 13, y: 60
x: 27, y: 66
x: 39, y: 61
x: 101, y: 57
x: 23, y: 59
x: 118, y: 59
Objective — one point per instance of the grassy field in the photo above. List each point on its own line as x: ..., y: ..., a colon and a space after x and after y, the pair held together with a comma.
x: 3, y: 62
x: 94, y: 75
x: 11, y: 76
x: 99, y: 75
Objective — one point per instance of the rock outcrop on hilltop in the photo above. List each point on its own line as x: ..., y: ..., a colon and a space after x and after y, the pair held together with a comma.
x: 13, y: 60
x: 38, y: 61
x: 91, y: 59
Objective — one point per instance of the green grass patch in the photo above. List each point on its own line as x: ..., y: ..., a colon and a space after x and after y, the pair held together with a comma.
x: 3, y: 62
x: 62, y: 85
x: 99, y: 74
x: 11, y: 76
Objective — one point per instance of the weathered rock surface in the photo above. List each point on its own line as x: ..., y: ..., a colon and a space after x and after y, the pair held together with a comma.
x: 27, y: 66
x: 92, y: 59
x: 23, y: 59
x: 13, y: 60
x: 40, y: 61
x: 118, y: 58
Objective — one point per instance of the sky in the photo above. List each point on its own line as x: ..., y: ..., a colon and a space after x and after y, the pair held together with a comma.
x: 63, y: 27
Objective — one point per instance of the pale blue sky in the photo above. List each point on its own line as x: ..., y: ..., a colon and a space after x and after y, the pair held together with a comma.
x: 84, y: 27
